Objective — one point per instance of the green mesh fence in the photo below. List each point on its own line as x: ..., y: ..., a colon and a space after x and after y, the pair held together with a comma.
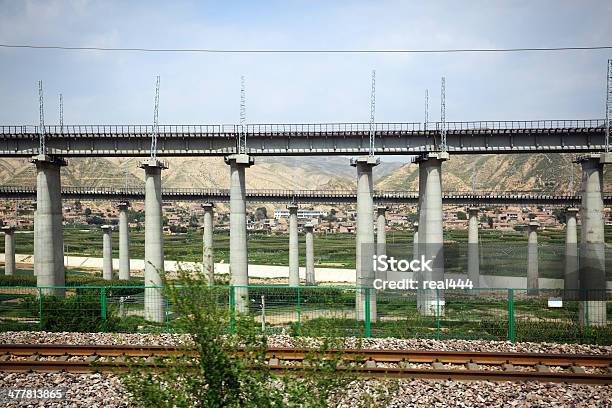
x: 492, y: 314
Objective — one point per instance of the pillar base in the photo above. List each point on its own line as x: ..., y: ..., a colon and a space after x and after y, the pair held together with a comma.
x: 365, y: 160
x: 153, y: 163
x: 240, y: 159
x: 47, y: 159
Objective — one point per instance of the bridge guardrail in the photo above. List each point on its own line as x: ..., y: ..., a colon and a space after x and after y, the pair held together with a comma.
x: 309, y: 128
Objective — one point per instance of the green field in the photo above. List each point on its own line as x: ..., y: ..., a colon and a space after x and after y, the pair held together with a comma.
x: 502, y: 253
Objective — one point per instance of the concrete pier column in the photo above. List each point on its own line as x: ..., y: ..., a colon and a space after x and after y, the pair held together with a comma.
x: 473, y: 248
x: 208, y: 261
x: 415, y: 240
x: 381, y: 237
x: 9, y: 250
x: 239, y: 273
x: 310, y: 273
x: 592, y: 275
x: 107, y: 252
x: 570, y: 276
x: 532, y: 257
x: 431, y: 229
x: 154, y: 241
x: 35, y: 237
x: 124, y: 241
x: 49, y: 259
x: 294, y: 257
x: 365, y: 235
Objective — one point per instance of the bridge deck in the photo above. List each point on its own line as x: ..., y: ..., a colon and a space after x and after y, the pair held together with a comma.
x: 502, y: 137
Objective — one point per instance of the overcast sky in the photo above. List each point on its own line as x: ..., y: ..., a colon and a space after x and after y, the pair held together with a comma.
x: 118, y: 87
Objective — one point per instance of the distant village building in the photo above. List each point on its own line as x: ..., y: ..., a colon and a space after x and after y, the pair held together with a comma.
x: 302, y: 213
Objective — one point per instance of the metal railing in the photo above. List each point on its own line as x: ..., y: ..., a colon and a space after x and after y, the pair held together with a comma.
x: 530, y: 194
x: 296, y: 128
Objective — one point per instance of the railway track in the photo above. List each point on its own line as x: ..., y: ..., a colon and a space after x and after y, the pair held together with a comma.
x: 453, y: 365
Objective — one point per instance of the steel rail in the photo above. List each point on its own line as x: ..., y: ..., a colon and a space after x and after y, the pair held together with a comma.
x: 363, y: 362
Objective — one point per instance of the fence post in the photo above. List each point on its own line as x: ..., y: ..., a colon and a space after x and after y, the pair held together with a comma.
x: 438, y: 311
x: 511, y: 335
x: 103, y: 303
x: 299, y: 311
x: 232, y: 301
x: 367, y: 311
x: 40, y: 308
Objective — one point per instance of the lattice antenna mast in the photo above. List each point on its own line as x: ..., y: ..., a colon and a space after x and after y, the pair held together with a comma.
x: 42, y: 148
x: 61, y: 113
x: 372, y: 112
x: 608, y: 105
x: 155, y: 133
x: 426, y: 108
x: 241, y: 131
x: 443, y: 115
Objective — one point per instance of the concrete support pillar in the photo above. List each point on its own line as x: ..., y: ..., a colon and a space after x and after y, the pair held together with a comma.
x: 571, y: 279
x: 107, y: 252
x: 208, y: 261
x: 532, y: 257
x: 415, y: 240
x: 124, y: 242
x: 310, y: 273
x: 238, y: 230
x: 35, y: 238
x: 9, y: 250
x: 154, y: 241
x: 381, y: 237
x: 592, y: 275
x: 365, y: 236
x: 431, y: 229
x: 49, y: 259
x: 473, y: 248
x: 294, y: 255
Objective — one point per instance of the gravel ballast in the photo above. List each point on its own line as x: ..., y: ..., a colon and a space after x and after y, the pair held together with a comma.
x: 168, y: 339
x: 105, y: 390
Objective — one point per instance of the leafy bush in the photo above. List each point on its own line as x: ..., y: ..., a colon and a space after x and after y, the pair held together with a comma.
x: 79, y: 312
x: 231, y: 369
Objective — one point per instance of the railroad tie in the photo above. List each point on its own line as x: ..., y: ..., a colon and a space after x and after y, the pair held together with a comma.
x: 436, y: 365
x: 65, y: 357
x: 541, y: 368
x: 508, y: 367
x: 5, y: 357
x: 472, y: 366
x: 92, y: 358
x: 370, y: 364
x: 274, y: 361
x: 33, y: 357
x: 577, y: 369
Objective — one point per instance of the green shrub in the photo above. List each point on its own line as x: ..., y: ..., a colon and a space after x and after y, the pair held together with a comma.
x: 79, y: 312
